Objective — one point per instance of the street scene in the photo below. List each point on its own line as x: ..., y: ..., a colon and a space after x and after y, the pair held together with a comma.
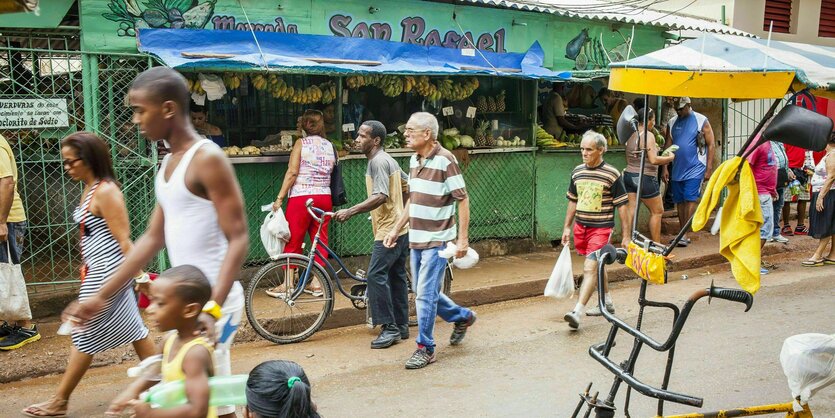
x: 596, y: 208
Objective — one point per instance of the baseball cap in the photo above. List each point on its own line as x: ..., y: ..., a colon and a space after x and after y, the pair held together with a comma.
x: 681, y: 102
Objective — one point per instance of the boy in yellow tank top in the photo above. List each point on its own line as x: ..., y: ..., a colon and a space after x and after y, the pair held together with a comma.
x: 177, y: 298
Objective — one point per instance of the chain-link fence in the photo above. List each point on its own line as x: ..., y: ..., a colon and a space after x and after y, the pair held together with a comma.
x: 500, y: 186
x: 82, y: 92
x: 742, y: 119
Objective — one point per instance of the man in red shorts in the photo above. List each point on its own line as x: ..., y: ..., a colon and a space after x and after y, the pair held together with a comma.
x: 595, y: 191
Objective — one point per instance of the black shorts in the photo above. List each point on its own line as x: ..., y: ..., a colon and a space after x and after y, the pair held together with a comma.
x: 649, y: 188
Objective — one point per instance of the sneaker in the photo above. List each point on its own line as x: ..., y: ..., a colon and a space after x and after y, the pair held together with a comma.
x: 573, y: 319
x: 421, y: 358
x: 5, y: 330
x: 801, y: 230
x: 460, y: 329
x: 684, y: 242
x: 781, y: 239
x: 20, y: 337
x: 787, y: 231
x: 595, y: 311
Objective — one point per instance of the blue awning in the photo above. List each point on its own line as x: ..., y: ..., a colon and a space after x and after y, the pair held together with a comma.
x: 226, y: 50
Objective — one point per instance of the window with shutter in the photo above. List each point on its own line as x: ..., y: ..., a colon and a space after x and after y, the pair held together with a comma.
x: 826, y: 27
x: 779, y: 12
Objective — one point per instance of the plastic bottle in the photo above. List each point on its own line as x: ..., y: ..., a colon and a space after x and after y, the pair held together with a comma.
x: 225, y: 390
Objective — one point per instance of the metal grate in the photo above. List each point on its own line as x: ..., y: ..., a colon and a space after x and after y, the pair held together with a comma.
x: 46, y: 67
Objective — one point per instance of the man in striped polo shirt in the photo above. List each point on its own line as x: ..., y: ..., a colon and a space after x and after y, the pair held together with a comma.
x: 435, y: 186
x: 595, y: 191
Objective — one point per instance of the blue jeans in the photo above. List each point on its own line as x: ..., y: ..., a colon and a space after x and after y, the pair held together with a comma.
x: 427, y: 275
x: 778, y: 209
x: 16, y: 240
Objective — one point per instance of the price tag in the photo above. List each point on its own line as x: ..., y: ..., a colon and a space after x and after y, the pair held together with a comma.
x: 471, y: 112
x: 447, y: 111
x: 468, y: 52
x: 344, y: 96
x: 348, y: 127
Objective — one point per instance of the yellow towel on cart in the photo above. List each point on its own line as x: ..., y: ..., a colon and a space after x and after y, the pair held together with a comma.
x: 742, y: 218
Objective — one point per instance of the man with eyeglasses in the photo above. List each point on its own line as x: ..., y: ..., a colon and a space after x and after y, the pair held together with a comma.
x: 13, y: 225
x: 436, y: 187
x: 693, y: 163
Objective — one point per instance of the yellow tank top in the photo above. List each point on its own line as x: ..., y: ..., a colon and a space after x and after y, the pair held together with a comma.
x: 172, y: 369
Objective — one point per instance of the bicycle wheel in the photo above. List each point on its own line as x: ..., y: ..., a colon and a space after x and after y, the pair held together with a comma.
x: 281, y: 321
x: 445, y: 289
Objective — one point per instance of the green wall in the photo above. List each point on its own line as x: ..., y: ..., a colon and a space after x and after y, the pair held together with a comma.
x: 110, y: 25
x: 553, y: 172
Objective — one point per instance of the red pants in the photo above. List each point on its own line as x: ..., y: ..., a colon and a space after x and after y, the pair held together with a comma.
x: 301, y: 222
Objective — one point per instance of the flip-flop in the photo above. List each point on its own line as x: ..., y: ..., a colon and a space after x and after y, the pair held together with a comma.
x: 828, y: 261
x: 812, y: 263
x: 315, y: 292
x: 39, y: 407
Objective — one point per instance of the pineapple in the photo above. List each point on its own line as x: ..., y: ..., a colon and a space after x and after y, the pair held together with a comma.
x: 481, y: 134
x: 481, y: 104
x: 491, y: 141
x: 500, y: 102
x: 491, y: 104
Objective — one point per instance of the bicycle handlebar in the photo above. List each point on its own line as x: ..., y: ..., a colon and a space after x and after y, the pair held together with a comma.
x: 733, y: 295
x: 313, y: 211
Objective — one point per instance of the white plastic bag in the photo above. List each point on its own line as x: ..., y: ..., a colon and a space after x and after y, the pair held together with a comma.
x: 716, y: 221
x: 561, y: 283
x: 809, y: 364
x: 468, y: 261
x: 272, y: 243
x: 278, y: 226
x: 14, y: 301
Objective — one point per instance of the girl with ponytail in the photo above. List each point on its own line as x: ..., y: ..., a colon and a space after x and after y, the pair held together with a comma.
x: 278, y: 389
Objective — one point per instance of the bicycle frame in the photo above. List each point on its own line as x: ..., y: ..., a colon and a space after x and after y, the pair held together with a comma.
x: 332, y: 273
x: 600, y: 352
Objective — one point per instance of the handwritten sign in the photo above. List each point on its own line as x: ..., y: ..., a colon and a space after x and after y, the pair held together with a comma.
x: 348, y: 127
x: 448, y: 111
x: 471, y: 112
x: 33, y: 113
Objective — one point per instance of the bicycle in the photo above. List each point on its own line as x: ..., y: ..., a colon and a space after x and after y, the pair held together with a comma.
x: 623, y: 372
x: 296, y: 314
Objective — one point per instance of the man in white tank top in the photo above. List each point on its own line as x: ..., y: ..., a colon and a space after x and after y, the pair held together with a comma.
x: 199, y: 217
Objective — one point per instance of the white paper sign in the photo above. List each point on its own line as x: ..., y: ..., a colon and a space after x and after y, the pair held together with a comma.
x: 471, y: 112
x: 344, y: 96
x: 468, y: 52
x: 33, y: 113
x: 448, y: 111
x: 348, y: 127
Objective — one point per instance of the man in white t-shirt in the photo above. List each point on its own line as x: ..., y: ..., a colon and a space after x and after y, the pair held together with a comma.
x: 199, y: 217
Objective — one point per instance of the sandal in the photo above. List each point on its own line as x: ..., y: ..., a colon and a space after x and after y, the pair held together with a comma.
x: 315, y: 292
x: 812, y: 263
x: 828, y: 261
x: 278, y: 292
x: 42, y: 409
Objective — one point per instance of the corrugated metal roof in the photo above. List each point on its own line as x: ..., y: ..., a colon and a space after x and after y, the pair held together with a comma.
x: 613, y: 12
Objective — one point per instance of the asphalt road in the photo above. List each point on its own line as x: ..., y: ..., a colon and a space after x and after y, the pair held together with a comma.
x: 520, y: 358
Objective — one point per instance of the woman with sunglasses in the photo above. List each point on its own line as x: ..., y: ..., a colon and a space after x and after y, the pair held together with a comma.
x: 105, y: 238
x: 308, y: 177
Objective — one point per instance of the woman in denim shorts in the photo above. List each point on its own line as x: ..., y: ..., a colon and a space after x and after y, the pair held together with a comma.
x: 650, y: 189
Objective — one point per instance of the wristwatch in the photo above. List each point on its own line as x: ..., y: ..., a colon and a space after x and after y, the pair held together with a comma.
x: 212, y: 308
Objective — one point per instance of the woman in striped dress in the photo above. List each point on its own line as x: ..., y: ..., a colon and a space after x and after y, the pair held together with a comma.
x: 105, y: 238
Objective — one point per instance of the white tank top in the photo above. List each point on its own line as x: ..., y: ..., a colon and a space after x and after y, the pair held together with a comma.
x: 192, y: 233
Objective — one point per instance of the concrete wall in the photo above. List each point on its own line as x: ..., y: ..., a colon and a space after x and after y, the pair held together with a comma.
x: 748, y: 16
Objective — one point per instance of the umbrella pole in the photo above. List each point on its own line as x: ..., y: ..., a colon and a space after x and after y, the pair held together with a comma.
x: 643, y: 148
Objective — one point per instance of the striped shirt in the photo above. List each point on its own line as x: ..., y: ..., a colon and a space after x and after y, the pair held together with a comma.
x: 597, y: 191
x: 435, y: 184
